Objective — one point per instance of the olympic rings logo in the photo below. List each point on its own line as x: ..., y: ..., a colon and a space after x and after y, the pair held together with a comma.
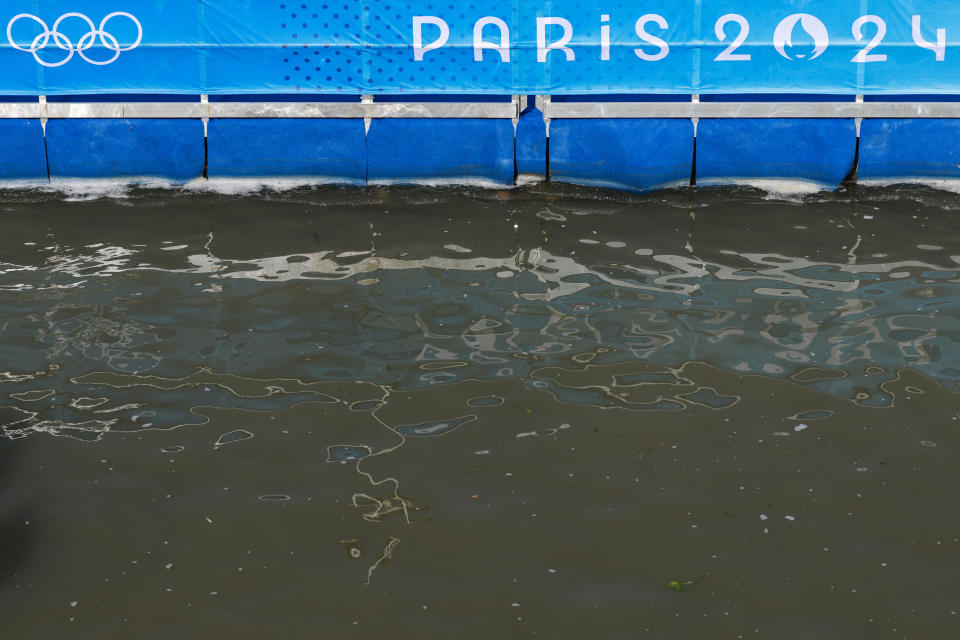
x: 85, y: 43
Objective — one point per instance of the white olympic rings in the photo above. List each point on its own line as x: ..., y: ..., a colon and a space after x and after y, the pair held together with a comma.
x: 86, y: 41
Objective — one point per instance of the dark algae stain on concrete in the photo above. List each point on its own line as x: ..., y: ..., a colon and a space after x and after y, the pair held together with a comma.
x: 542, y: 412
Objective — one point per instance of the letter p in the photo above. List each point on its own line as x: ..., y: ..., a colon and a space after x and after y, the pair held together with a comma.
x: 418, y: 22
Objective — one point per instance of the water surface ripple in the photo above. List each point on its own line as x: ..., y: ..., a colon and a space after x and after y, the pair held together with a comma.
x: 415, y: 288
x: 514, y: 384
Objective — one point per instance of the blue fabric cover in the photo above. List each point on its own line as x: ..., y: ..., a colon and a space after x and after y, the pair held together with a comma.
x: 532, y: 143
x: 414, y: 149
x: 811, y: 149
x: 22, y: 155
x: 903, y: 149
x: 114, y: 148
x: 322, y: 148
x: 638, y: 154
x: 361, y: 47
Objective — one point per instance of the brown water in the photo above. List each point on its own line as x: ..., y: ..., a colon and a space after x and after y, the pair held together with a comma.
x: 544, y: 412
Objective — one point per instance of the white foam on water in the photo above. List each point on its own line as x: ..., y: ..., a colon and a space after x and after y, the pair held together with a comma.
x: 951, y: 185
x: 774, y: 188
x: 623, y: 187
x: 18, y: 185
x: 120, y: 188
x: 82, y: 189
x: 527, y: 179
x: 244, y: 186
x: 483, y: 183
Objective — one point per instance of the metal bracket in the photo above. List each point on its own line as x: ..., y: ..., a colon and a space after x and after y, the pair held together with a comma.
x: 695, y: 99
x: 859, y: 119
x: 205, y: 111
x: 543, y: 103
x: 366, y: 99
x: 752, y: 109
x: 368, y: 109
x: 42, y: 101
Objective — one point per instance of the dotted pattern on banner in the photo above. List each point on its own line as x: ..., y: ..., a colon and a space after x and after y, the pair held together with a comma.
x: 354, y: 46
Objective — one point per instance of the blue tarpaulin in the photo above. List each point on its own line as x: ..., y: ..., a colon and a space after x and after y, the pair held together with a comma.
x: 497, y: 46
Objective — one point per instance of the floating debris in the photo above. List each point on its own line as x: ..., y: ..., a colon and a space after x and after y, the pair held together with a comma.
x: 678, y: 585
x: 352, y: 549
x: 391, y: 544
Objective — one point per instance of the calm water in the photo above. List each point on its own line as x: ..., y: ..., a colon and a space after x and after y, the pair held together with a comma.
x: 544, y: 412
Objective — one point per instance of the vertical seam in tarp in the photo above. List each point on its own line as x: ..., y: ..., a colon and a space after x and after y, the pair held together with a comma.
x: 41, y: 72
x: 204, y: 45
x: 548, y: 65
x: 366, y: 51
x: 698, y: 38
x: 862, y: 67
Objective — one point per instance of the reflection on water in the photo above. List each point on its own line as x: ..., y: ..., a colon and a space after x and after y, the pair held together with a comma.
x: 355, y: 328
x: 412, y: 289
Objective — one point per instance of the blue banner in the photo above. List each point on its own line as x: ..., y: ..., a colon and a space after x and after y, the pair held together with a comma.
x: 494, y: 47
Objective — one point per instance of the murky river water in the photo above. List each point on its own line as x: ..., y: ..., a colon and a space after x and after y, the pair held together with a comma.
x: 543, y: 412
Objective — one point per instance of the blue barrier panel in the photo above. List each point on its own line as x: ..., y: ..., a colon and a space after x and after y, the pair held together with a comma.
x: 22, y: 155
x: 493, y: 47
x: 901, y: 149
x: 821, y: 151
x: 112, y: 148
x: 413, y: 149
x: 329, y: 149
x: 532, y: 143
x: 632, y: 153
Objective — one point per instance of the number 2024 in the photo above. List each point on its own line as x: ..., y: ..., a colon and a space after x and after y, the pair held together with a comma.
x: 815, y: 28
